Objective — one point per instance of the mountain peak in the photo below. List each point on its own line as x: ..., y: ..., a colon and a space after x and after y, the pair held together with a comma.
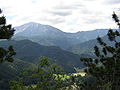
x: 32, y: 23
x: 36, y: 29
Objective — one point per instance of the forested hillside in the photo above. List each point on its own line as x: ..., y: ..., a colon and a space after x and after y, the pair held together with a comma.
x: 29, y: 51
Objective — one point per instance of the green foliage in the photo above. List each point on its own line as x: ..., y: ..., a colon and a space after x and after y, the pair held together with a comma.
x: 6, y: 32
x: 41, y: 78
x: 106, y: 67
x: 14, y: 85
x: 13, y: 70
x: 10, y: 71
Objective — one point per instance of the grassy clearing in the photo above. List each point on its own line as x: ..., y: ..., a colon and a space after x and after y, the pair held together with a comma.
x: 61, y: 77
x: 80, y: 73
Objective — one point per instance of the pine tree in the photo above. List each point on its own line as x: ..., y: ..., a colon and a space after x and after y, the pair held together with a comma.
x: 106, y: 67
x: 6, y: 32
x: 46, y: 76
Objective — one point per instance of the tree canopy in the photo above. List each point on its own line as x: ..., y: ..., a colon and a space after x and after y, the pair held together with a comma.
x: 6, y: 32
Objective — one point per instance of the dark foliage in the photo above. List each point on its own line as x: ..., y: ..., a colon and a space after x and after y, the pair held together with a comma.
x: 6, y: 32
x: 106, y: 67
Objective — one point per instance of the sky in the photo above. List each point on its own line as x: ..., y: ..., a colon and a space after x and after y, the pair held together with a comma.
x: 67, y: 15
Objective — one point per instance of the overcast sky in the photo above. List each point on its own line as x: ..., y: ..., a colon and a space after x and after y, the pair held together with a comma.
x: 67, y: 15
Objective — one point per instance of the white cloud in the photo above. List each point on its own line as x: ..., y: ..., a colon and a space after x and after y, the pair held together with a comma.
x: 67, y: 15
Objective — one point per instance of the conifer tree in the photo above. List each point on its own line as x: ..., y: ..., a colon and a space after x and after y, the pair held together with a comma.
x: 46, y: 76
x: 6, y: 32
x: 106, y: 67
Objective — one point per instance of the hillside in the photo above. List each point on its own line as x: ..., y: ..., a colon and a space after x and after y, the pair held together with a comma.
x: 29, y: 51
x: 88, y: 46
x: 9, y: 71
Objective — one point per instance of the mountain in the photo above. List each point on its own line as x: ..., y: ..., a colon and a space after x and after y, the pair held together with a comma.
x: 84, y: 48
x: 30, y: 51
x: 88, y: 35
x: 88, y: 46
x: 42, y: 34
x: 51, y: 36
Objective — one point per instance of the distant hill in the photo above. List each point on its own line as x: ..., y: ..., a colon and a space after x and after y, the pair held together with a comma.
x: 51, y: 36
x: 29, y: 51
x: 84, y: 48
x: 88, y: 46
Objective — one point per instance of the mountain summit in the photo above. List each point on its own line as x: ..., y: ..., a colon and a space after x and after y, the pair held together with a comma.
x: 35, y: 29
x: 51, y: 36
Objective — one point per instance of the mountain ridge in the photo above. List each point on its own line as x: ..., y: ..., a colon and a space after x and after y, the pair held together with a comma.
x: 31, y: 52
x: 50, y: 36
